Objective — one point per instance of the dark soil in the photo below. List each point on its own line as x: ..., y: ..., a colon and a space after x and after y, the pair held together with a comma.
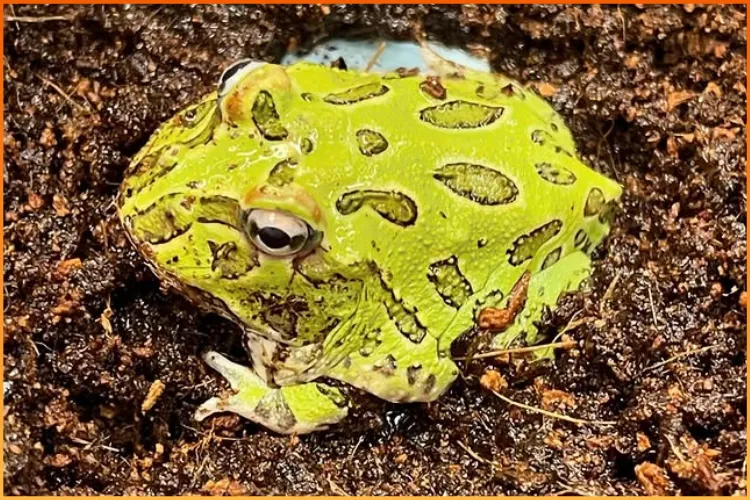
x: 656, y: 98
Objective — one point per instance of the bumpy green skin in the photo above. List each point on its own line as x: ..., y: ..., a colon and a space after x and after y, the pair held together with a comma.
x: 431, y: 206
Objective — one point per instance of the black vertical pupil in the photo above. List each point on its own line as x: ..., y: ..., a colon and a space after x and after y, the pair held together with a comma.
x: 273, y: 237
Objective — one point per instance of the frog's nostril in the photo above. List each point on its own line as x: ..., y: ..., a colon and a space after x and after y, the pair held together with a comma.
x: 235, y: 72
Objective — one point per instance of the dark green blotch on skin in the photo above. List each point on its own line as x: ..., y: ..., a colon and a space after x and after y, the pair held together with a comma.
x: 429, y: 383
x: 540, y: 137
x: 403, y: 316
x: 526, y: 246
x: 357, y: 94
x: 608, y: 213
x: 266, y: 118
x: 232, y: 261
x: 594, y: 203
x: 393, y: 206
x: 386, y: 366
x: 282, y: 173
x: 335, y: 396
x: 511, y: 90
x: 306, y: 146
x: 552, y: 258
x: 449, y: 282
x: 580, y: 238
x: 173, y: 214
x: 460, y: 115
x: 555, y: 174
x: 370, y: 142
x: 273, y: 407
x: 412, y: 372
x: 478, y: 183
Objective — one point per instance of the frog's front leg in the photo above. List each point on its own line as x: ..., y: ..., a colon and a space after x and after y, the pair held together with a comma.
x: 292, y: 409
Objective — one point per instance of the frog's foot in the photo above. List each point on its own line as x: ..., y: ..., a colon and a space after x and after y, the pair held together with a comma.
x: 293, y: 409
x: 544, y: 290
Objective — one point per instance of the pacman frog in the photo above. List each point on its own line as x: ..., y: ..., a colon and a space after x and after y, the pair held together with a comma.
x: 356, y: 222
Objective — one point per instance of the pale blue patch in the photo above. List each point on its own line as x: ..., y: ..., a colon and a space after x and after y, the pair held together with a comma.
x: 358, y: 53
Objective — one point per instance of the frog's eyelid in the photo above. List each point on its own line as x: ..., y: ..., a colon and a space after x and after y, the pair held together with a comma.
x: 236, y: 72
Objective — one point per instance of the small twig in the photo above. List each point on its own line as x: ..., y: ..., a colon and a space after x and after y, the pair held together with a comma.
x: 653, y: 308
x: 492, y: 354
x: 624, y: 31
x: 149, y: 18
x: 13, y: 14
x: 62, y: 93
x: 674, y: 449
x: 356, y: 447
x: 198, y: 472
x: 604, y: 138
x: 609, y: 292
x: 87, y: 444
x: 109, y: 448
x: 40, y: 19
x: 336, y: 489
x: 572, y: 324
x: 90, y: 444
x: 474, y: 455
x: 678, y: 356
x: 553, y: 414
x: 375, y: 57
x: 572, y: 489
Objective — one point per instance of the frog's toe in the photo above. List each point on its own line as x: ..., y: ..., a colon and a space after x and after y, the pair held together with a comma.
x: 239, y: 377
x: 213, y: 405
x: 294, y: 409
x: 250, y: 388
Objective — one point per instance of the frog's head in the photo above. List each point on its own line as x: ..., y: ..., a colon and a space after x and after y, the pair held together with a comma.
x: 228, y: 216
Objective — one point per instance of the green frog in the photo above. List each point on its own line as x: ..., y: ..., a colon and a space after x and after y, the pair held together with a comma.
x: 355, y: 223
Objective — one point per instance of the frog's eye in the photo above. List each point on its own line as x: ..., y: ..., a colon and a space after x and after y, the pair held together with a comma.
x: 278, y: 233
x: 235, y: 73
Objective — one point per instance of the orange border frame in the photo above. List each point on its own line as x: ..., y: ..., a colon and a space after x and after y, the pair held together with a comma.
x: 115, y: 2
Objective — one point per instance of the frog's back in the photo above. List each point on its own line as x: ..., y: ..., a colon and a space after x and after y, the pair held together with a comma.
x: 473, y: 176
